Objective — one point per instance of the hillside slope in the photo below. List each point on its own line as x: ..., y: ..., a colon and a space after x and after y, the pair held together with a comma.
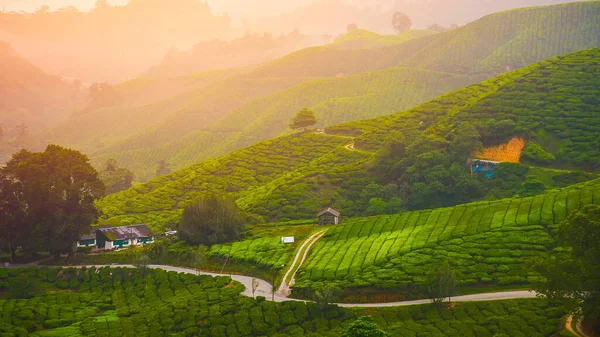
x: 377, y: 87
x: 552, y: 103
x: 484, y: 242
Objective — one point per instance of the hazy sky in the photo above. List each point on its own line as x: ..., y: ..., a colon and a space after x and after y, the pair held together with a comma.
x: 236, y: 8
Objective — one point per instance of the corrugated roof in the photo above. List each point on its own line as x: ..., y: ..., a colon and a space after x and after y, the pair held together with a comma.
x: 91, y: 236
x: 126, y: 232
x: 330, y: 211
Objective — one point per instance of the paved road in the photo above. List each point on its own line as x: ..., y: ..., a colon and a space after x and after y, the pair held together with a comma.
x: 506, y: 295
x: 265, y: 288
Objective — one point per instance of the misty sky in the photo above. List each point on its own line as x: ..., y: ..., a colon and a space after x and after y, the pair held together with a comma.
x: 236, y: 8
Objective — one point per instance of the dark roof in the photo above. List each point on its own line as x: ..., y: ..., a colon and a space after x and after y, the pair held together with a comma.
x: 91, y: 236
x: 330, y: 211
x: 126, y: 232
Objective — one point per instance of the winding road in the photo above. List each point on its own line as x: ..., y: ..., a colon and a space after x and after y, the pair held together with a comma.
x: 265, y: 288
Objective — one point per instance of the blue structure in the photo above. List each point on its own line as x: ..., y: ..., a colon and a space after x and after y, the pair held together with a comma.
x: 482, y: 166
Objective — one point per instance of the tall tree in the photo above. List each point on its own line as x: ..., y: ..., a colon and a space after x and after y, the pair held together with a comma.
x: 364, y: 326
x: 574, y: 276
x: 211, y: 219
x: 401, y: 22
x: 304, y: 118
x: 442, y: 283
x: 51, y: 195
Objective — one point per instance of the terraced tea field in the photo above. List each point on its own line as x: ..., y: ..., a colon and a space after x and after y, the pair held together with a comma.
x: 129, y: 302
x: 484, y: 242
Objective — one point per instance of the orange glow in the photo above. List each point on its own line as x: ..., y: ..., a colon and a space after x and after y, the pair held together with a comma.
x: 509, y: 152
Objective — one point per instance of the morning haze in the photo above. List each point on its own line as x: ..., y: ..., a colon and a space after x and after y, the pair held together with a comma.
x: 314, y: 168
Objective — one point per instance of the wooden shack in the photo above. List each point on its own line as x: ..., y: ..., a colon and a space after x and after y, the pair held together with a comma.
x: 329, y: 217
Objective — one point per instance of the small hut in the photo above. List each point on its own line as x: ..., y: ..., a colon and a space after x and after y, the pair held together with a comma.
x: 329, y: 217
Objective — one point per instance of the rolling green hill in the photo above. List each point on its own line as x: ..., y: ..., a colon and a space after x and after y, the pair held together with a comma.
x: 552, y: 104
x: 484, y: 242
x: 363, y: 83
x: 371, y: 92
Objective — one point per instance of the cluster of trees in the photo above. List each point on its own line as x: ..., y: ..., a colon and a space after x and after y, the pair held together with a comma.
x: 210, y: 220
x: 574, y: 277
x: 115, y: 178
x: 47, y: 200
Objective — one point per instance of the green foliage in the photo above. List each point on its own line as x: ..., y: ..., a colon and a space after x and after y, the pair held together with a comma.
x: 364, y: 327
x: 236, y: 111
x: 572, y: 277
x: 47, y: 200
x: 536, y: 154
x: 115, y: 178
x: 123, y: 302
x: 485, y: 243
x: 442, y: 283
x: 23, y: 286
x: 211, y: 219
x: 303, y: 119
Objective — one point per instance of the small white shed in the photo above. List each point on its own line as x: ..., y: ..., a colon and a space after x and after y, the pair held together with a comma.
x: 287, y: 239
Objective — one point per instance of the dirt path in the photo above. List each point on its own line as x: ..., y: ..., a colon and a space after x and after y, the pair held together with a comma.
x: 579, y: 332
x: 265, y: 288
x: 284, y: 288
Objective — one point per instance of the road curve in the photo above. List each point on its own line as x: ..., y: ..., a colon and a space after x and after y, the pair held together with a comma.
x: 265, y: 289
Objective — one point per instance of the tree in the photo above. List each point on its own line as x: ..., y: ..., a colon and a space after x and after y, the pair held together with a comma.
x: 364, y: 326
x: 116, y: 178
x: 401, y: 22
x: 51, y: 196
x: 163, y: 168
x: 351, y: 27
x: 304, y: 118
x: 442, y: 283
x: 211, y: 219
x: 326, y: 295
x: 255, y: 285
x: 573, y: 277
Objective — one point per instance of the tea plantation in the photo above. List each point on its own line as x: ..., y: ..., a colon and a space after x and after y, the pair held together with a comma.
x: 484, y: 242
x: 131, y: 302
